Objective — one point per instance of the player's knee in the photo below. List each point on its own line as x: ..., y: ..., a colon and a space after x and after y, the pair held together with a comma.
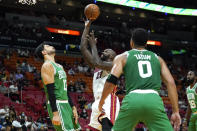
x: 106, y: 124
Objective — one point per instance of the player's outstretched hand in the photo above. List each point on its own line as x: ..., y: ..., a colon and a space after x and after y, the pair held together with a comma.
x: 91, y: 38
x: 75, y: 114
x: 176, y: 121
x: 56, y: 119
x: 87, y: 22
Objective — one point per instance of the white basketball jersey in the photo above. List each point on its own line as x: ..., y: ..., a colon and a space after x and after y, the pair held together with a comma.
x: 98, y: 84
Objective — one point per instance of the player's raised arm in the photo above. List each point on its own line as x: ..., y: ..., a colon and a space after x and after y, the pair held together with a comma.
x: 172, y: 93
x: 110, y: 84
x: 47, y: 72
x: 84, y: 44
x: 104, y: 65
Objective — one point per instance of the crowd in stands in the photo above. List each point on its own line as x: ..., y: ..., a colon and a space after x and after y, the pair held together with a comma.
x: 37, y: 31
x: 14, y: 83
x: 12, y: 86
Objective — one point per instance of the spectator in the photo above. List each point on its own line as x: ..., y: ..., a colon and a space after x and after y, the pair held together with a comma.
x: 18, y: 65
x: 13, y: 88
x: 78, y: 87
x: 26, y: 53
x: 14, y: 92
x: 80, y: 68
x: 39, y: 125
x: 85, y: 68
x: 82, y: 101
x: 8, y: 123
x: 3, y: 113
x: 24, y: 66
x: 3, y: 88
x: 71, y: 86
x: 75, y: 69
x: 23, y: 119
x: 8, y: 53
x: 71, y: 72
x: 17, y: 123
x: 18, y: 75
x: 89, y: 72
x: 37, y: 75
x: 12, y: 113
x: 12, y: 77
x: 23, y: 116
x: 19, y: 52
x: 88, y: 106
x: 28, y: 123
x: 30, y: 68
x: 84, y: 114
x: 3, y: 75
x: 82, y: 83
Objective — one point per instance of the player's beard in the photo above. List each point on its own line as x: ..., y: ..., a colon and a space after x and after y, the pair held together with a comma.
x: 190, y: 81
x: 104, y: 57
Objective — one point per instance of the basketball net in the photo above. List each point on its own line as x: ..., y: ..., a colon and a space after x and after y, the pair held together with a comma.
x: 28, y: 2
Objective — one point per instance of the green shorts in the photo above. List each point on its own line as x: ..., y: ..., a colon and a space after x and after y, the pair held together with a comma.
x: 66, y: 116
x: 142, y: 107
x: 193, y: 122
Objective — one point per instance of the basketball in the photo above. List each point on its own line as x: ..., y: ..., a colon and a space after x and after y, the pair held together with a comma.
x: 92, y: 11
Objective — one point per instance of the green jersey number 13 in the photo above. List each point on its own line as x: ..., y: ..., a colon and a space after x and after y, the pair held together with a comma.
x: 147, y: 65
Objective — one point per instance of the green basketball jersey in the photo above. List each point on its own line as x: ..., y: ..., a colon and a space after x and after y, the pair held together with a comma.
x: 192, y: 97
x: 60, y: 81
x: 142, y: 70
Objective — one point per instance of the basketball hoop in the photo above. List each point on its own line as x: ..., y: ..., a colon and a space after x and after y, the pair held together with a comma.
x: 28, y: 2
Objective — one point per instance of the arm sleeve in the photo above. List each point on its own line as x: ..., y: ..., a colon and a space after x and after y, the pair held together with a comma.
x: 52, y: 98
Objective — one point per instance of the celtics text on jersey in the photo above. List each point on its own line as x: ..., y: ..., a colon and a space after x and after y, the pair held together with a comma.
x: 192, y: 97
x: 60, y: 81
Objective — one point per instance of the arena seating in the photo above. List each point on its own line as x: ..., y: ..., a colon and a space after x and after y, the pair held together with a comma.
x: 34, y: 97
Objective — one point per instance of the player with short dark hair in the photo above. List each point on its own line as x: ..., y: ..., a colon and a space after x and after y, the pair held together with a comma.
x: 103, y: 64
x: 191, y: 113
x: 62, y: 112
x: 143, y: 70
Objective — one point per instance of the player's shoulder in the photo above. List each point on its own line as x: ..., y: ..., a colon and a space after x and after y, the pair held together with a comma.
x: 122, y: 56
x: 187, y: 88
x: 195, y: 85
x: 153, y: 54
x: 46, y: 65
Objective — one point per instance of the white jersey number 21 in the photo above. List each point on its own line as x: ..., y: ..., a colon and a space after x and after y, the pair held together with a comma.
x: 147, y: 65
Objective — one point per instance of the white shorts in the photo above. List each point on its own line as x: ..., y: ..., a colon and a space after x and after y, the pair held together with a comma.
x: 111, y: 108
